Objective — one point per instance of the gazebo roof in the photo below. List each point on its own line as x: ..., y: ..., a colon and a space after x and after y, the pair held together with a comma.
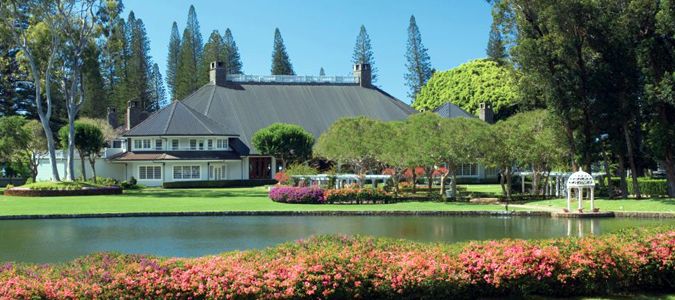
x: 580, y: 179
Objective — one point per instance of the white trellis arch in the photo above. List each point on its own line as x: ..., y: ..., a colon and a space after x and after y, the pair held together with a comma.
x: 580, y: 180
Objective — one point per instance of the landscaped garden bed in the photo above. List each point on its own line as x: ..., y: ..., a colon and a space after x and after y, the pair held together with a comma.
x: 639, y: 260
x: 66, y: 188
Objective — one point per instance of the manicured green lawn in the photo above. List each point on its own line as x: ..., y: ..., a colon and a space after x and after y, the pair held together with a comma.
x: 483, y: 188
x: 191, y: 200
x: 645, y: 205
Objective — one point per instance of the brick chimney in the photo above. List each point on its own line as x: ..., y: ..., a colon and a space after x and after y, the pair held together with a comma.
x: 485, y: 113
x: 363, y: 72
x: 218, y: 73
x: 112, y: 117
x: 134, y: 113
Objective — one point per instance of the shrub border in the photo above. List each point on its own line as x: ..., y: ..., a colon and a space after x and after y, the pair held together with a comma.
x: 52, y: 193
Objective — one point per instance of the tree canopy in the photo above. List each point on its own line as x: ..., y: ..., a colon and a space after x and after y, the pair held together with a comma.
x: 468, y: 85
x: 287, y: 142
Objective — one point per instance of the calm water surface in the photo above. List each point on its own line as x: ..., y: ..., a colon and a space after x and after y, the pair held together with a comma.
x: 46, y: 241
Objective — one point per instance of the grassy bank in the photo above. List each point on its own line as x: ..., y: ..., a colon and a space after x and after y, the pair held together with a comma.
x: 200, y: 200
x: 666, y: 205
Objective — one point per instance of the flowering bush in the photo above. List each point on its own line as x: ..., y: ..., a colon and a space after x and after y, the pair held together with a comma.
x: 291, y: 194
x: 353, y: 194
x: 282, y: 178
x: 640, y: 260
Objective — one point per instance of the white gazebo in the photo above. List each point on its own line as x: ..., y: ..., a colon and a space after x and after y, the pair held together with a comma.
x: 580, y: 180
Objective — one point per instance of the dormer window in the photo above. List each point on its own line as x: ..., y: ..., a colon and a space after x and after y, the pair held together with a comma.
x: 158, y: 144
x: 193, y: 144
x: 174, y: 144
x: 210, y: 144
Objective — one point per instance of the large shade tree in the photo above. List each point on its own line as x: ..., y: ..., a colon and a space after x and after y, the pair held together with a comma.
x: 286, y: 142
x: 469, y: 85
x: 350, y: 141
x: 89, y: 141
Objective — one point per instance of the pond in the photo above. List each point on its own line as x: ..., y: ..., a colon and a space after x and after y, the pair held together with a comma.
x: 57, y: 240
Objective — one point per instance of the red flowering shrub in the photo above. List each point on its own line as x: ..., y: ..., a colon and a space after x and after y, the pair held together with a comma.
x: 282, y: 178
x: 640, y: 260
x: 294, y: 194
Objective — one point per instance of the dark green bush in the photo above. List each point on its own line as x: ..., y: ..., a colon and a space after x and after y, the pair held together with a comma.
x: 648, y: 186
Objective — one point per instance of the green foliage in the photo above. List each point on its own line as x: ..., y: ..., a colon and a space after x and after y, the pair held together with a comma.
x: 190, y: 58
x: 214, y: 50
x: 300, y: 169
x: 363, y: 52
x: 468, y: 85
x: 88, y: 138
x: 138, y: 65
x: 232, y: 58
x: 648, y: 186
x: 351, y: 141
x: 157, y: 90
x: 12, y: 138
x: 172, y: 60
x: 281, y: 64
x: 495, y: 48
x: 286, y: 142
x: 418, y: 62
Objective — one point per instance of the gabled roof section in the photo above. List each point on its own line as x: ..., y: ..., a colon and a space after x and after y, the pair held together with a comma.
x: 449, y: 110
x: 178, y: 119
x: 248, y: 107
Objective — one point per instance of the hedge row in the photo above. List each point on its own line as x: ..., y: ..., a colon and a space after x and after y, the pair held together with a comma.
x: 648, y: 186
x: 358, y: 196
x: 217, y: 183
x: 52, y: 193
x: 295, y: 194
x: 368, y: 268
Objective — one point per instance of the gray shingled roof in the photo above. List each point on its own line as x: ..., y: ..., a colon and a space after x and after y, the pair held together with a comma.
x: 449, y: 110
x: 175, y: 155
x: 178, y: 119
x: 248, y: 107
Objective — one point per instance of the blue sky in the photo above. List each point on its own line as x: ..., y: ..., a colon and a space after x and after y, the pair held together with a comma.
x: 322, y: 33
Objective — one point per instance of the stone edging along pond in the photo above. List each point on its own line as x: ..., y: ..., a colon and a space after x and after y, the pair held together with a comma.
x: 322, y: 213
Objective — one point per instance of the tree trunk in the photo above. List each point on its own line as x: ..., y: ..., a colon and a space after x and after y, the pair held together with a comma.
x: 414, y: 181
x: 631, y: 161
x: 454, y: 184
x: 535, y: 182
x: 443, y: 178
x: 669, y: 155
x: 84, y: 173
x: 502, y: 178
x: 92, y: 162
x: 622, y: 175
x: 70, y: 151
x: 508, y: 187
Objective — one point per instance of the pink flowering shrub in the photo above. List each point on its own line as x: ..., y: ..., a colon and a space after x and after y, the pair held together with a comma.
x: 334, y: 267
x: 293, y: 194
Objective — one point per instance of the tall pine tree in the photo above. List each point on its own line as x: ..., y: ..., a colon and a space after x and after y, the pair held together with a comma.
x: 418, y: 63
x: 363, y: 52
x: 495, y: 47
x: 322, y: 72
x: 139, y: 66
x: 114, y: 55
x: 232, y: 60
x: 281, y: 64
x: 186, y: 79
x: 157, y: 90
x: 189, y: 66
x: 95, y: 97
x: 172, y: 60
x: 214, y: 50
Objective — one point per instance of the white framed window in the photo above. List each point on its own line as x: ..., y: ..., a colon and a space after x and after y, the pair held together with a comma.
x: 150, y: 172
x: 221, y: 144
x: 201, y: 144
x: 174, y: 144
x: 209, y: 144
x: 186, y: 172
x: 193, y: 144
x: 158, y: 144
x: 142, y: 144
